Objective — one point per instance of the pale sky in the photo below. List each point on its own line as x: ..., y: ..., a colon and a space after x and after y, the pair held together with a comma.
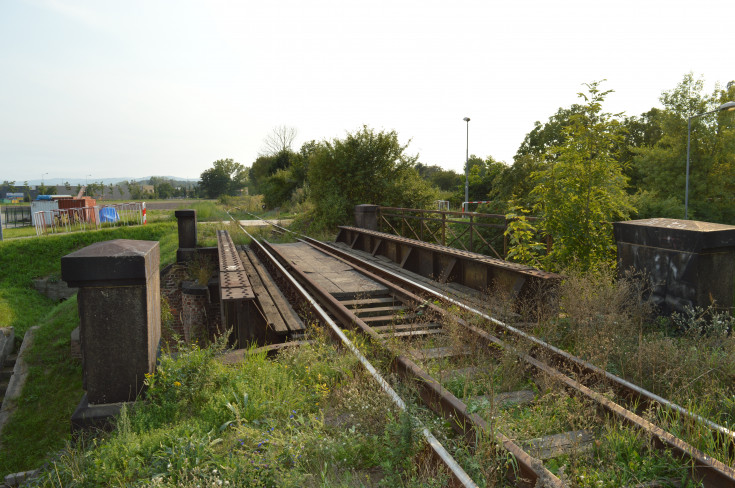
x: 138, y: 88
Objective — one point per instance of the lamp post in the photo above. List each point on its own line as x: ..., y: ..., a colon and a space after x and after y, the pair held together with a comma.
x: 467, y: 167
x: 725, y: 107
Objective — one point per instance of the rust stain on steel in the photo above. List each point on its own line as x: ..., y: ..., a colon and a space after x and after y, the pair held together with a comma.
x: 474, y: 270
x: 437, y: 397
x: 233, y: 280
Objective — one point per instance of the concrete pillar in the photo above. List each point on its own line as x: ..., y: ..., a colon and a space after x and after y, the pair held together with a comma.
x: 366, y: 216
x: 119, y: 303
x: 187, y: 226
x: 688, y: 262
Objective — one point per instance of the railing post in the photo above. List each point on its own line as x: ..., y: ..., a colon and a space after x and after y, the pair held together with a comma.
x: 444, y: 229
x: 472, y: 230
x: 421, y: 227
x: 403, y: 223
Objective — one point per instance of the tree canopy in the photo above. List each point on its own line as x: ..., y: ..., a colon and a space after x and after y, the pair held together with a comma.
x: 225, y: 177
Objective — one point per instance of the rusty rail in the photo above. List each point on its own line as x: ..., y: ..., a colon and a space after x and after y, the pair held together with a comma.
x: 530, y: 470
x: 459, y: 476
x: 711, y: 472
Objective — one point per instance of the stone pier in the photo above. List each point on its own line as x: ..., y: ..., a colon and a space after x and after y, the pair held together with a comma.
x: 689, y: 263
x: 120, y: 322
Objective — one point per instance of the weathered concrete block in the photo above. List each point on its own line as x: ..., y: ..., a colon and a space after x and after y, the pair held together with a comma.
x: 187, y: 226
x: 689, y: 262
x: 366, y: 216
x: 56, y: 290
x: 120, y: 317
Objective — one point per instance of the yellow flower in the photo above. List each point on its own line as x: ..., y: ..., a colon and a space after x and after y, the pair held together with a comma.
x: 176, y: 383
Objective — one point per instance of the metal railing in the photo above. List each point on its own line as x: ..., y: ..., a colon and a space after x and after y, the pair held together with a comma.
x: 16, y: 216
x: 88, y: 218
x: 471, y: 231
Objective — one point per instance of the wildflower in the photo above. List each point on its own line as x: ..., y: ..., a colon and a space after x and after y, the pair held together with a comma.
x: 176, y: 383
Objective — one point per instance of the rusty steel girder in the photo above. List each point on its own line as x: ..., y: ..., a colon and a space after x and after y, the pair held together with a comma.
x: 446, y: 264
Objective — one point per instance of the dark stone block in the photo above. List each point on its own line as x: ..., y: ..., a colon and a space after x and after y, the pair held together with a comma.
x: 187, y: 226
x: 120, y: 317
x: 690, y: 263
x: 120, y: 261
x: 184, y: 255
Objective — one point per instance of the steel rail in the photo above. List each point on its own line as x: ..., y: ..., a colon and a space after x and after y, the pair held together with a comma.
x: 432, y: 392
x: 623, y: 387
x: 583, y: 368
x: 459, y: 475
x: 712, y: 472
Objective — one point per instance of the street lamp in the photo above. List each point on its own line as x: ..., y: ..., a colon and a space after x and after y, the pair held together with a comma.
x: 467, y: 168
x: 725, y: 107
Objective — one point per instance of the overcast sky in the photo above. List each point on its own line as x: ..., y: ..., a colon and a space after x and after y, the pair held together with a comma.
x: 139, y: 88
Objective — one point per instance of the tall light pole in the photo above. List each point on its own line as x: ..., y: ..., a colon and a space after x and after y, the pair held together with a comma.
x: 725, y: 107
x: 467, y: 168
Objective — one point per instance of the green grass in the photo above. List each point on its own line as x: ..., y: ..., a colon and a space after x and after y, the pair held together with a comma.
x: 53, y: 388
x: 22, y: 260
x: 208, y: 211
x: 309, y: 418
x: 15, y: 232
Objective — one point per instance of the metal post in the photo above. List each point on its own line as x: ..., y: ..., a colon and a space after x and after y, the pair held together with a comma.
x: 686, y: 191
x: 467, y: 167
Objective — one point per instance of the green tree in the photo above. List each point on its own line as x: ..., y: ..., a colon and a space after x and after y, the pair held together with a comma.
x: 582, y: 188
x: 225, y: 177
x: 661, y: 166
x: 364, y: 167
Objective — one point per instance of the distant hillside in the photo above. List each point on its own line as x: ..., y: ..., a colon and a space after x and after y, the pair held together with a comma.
x: 106, y: 181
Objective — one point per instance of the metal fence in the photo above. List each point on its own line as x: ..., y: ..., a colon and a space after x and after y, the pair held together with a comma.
x: 89, y: 218
x: 470, y: 231
x: 16, y: 216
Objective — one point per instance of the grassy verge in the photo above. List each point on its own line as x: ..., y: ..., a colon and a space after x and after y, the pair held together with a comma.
x: 53, y: 388
x: 309, y: 418
x: 23, y: 260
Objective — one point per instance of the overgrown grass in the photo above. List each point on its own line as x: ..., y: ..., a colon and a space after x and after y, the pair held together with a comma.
x: 53, y: 388
x: 52, y: 391
x: 15, y: 232
x: 309, y: 418
x: 689, y: 359
x: 208, y: 211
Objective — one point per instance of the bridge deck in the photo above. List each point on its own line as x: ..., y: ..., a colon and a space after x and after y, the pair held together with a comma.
x: 336, y: 277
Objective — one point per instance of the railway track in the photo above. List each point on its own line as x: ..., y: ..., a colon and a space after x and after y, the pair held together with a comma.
x: 441, y: 353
